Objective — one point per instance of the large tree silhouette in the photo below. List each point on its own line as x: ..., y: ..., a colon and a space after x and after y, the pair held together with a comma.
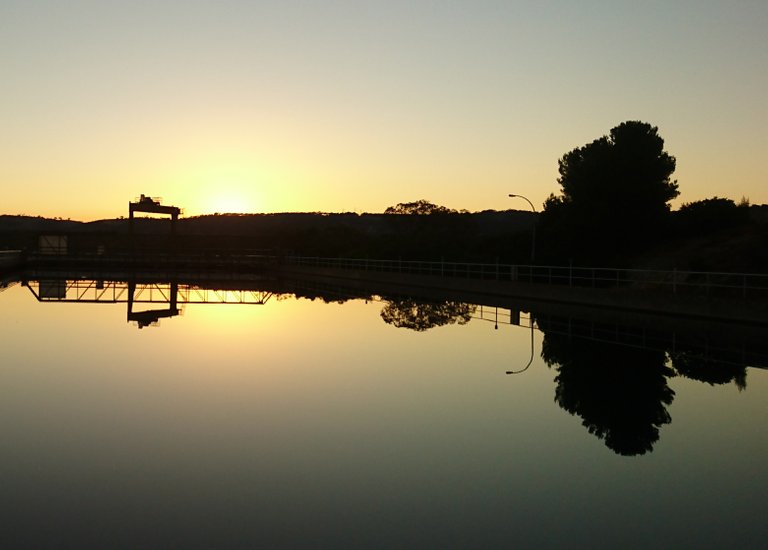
x: 615, y: 194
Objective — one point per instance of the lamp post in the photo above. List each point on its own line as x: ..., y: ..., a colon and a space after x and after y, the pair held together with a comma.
x: 533, y: 239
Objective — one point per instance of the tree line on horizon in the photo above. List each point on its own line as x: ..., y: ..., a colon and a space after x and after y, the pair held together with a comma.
x: 614, y: 204
x: 613, y: 207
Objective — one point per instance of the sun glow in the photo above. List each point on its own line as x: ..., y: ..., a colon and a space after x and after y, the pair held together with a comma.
x: 225, y: 199
x: 230, y: 204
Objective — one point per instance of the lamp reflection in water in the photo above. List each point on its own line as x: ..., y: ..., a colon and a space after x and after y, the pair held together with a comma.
x: 530, y: 360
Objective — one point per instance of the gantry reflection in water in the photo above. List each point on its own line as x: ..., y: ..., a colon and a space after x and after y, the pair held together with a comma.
x: 172, y: 294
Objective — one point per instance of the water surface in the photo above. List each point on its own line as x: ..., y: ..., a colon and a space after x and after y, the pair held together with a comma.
x: 302, y: 423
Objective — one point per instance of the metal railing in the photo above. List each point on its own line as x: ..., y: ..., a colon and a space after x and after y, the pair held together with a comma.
x: 704, y: 283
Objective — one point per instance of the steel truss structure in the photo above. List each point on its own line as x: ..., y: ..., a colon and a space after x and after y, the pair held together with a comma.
x: 89, y: 291
x: 171, y: 295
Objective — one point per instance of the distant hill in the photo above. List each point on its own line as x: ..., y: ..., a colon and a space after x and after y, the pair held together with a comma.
x: 36, y: 224
x: 480, y: 236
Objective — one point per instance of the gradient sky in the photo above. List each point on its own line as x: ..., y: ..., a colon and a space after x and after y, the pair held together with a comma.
x: 272, y: 106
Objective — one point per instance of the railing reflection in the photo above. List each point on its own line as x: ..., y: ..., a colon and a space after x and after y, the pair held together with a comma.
x: 694, y: 283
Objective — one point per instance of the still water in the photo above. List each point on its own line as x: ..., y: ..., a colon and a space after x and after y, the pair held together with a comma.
x: 365, y: 423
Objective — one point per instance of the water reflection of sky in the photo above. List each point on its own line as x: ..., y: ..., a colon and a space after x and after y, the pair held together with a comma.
x: 312, y: 424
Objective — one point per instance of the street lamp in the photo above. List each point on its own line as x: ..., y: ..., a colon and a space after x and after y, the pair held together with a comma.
x: 533, y: 239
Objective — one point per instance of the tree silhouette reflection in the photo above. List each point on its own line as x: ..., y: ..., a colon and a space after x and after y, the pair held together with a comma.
x: 696, y: 366
x: 620, y: 392
x: 420, y: 316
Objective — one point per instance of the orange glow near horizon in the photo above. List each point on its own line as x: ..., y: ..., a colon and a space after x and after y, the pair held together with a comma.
x: 206, y: 190
x: 228, y: 202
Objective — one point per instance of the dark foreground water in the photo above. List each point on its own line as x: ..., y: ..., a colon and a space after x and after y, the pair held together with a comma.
x: 370, y: 424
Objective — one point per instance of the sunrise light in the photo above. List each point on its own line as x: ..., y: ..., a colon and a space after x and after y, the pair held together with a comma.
x: 229, y: 204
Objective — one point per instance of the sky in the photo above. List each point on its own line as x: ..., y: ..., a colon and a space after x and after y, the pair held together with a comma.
x: 334, y: 106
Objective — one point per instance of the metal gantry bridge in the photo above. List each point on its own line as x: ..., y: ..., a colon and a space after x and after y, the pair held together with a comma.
x: 151, y: 205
